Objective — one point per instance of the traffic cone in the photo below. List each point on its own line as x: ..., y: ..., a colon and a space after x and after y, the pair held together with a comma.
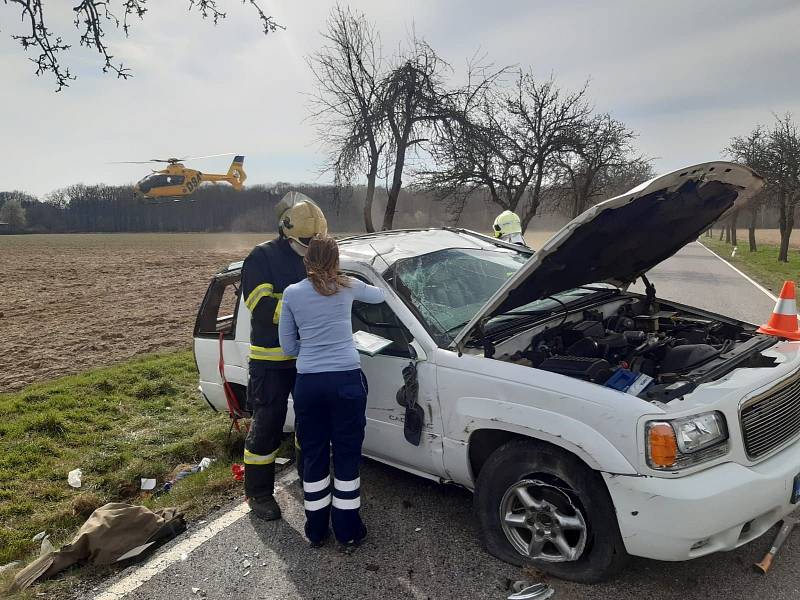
x: 783, y: 322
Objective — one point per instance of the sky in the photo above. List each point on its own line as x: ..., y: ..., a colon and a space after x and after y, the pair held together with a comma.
x: 686, y: 75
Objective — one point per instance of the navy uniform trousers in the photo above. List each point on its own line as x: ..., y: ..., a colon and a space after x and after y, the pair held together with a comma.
x: 331, y: 413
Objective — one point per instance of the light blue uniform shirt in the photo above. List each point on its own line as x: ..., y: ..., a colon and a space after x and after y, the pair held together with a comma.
x: 318, y: 329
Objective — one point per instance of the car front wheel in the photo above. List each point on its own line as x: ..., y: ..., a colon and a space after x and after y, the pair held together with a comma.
x: 542, y: 506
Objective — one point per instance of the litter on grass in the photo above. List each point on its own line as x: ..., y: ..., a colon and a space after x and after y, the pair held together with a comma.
x: 148, y: 484
x: 46, y: 547
x: 184, y: 471
x: 74, y: 478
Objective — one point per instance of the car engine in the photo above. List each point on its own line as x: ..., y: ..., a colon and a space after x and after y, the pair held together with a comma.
x: 657, y: 354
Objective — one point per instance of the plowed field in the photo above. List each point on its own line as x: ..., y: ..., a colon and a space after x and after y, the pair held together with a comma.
x: 72, y: 302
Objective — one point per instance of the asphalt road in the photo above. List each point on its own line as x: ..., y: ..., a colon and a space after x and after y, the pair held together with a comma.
x: 422, y: 537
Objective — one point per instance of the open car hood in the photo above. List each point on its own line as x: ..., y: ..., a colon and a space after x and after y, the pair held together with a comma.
x: 620, y: 239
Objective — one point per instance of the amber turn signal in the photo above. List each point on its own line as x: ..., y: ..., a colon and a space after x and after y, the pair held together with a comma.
x: 662, y: 447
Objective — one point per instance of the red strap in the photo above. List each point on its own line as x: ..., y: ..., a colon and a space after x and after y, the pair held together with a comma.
x: 234, y: 409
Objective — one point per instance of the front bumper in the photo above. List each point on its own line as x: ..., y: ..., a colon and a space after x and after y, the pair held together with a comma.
x: 720, y: 508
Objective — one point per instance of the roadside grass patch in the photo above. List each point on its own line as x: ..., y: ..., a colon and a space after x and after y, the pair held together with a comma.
x: 117, y: 424
x: 762, y: 265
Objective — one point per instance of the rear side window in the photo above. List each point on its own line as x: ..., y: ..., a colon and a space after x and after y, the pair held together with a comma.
x: 218, y: 310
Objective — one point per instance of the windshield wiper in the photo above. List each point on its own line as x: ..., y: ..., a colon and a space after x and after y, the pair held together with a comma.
x: 458, y: 327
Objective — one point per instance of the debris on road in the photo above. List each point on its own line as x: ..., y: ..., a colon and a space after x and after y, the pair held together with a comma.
x: 537, y: 591
x: 74, y: 478
x: 787, y: 525
x: 199, y: 592
x: 246, y: 564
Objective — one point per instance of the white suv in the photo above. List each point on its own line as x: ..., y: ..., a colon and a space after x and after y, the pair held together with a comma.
x: 591, y: 422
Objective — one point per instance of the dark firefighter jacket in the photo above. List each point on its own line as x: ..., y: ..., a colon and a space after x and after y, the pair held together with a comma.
x: 269, y: 269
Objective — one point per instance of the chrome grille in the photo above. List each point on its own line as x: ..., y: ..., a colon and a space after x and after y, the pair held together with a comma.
x: 772, y: 419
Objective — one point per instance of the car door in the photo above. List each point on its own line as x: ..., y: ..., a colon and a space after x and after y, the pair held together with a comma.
x: 384, y: 439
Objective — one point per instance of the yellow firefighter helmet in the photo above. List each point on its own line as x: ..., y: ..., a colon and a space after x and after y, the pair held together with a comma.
x: 507, y: 223
x: 299, y: 218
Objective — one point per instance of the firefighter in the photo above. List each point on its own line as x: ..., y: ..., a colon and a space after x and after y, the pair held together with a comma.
x: 508, y: 228
x: 269, y: 269
x: 330, y: 395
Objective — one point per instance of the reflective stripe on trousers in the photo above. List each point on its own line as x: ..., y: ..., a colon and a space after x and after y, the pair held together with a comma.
x: 251, y: 458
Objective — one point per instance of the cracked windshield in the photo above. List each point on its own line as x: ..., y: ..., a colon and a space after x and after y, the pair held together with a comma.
x: 450, y: 286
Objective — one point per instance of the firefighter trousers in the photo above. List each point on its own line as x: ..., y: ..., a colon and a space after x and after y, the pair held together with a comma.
x: 267, y: 394
x: 331, y: 414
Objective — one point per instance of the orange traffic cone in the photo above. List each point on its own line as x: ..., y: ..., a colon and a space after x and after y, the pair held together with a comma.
x: 783, y: 322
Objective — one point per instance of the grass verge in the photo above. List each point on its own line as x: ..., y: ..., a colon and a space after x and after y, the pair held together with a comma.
x: 117, y: 424
x: 762, y: 265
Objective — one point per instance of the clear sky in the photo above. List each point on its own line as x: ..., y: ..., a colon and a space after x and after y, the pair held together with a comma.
x: 685, y: 74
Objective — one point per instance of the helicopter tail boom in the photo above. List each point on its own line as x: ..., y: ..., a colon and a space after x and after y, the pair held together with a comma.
x: 236, y: 174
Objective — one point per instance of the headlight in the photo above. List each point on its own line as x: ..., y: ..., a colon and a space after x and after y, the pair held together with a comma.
x: 681, y: 443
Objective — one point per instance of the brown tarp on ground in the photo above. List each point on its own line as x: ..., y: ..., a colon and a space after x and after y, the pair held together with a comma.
x: 112, y: 532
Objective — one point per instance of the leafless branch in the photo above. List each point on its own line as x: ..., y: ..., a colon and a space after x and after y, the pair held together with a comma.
x: 92, y: 18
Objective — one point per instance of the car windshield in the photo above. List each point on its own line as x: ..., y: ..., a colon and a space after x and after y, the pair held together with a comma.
x: 448, y: 287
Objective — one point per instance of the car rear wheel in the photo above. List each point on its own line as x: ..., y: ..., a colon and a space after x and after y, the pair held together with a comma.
x: 541, y: 506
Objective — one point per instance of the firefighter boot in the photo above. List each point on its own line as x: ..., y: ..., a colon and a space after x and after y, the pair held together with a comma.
x: 265, y: 508
x: 259, y: 483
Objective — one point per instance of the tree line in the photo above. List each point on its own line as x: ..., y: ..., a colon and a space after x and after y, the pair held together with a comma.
x: 113, y: 209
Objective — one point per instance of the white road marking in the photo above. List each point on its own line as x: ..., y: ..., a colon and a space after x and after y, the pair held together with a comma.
x: 161, y: 562
x: 772, y: 296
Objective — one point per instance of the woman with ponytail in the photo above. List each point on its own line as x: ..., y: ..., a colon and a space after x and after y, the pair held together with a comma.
x: 330, y: 393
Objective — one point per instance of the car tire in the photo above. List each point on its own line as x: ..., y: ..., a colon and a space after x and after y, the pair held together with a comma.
x: 561, y: 485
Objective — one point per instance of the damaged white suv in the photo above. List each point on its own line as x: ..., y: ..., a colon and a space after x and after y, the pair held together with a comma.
x: 592, y: 423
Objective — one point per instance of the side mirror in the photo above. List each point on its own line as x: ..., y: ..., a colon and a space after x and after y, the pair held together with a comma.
x: 412, y: 352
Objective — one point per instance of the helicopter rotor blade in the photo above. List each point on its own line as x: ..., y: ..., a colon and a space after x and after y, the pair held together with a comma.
x: 209, y: 156
x: 169, y: 160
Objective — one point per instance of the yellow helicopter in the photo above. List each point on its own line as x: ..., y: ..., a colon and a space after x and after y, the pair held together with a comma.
x: 176, y: 181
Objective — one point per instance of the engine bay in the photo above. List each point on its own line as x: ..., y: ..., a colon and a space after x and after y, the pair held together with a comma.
x: 637, y: 345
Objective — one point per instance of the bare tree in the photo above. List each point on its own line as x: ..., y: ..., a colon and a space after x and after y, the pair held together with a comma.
x: 415, y: 103
x: 13, y: 213
x: 775, y: 154
x: 91, y: 19
x: 603, y: 156
x: 347, y: 106
x: 751, y: 150
x: 510, y: 141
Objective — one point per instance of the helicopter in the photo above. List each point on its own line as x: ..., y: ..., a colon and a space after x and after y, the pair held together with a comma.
x: 176, y: 181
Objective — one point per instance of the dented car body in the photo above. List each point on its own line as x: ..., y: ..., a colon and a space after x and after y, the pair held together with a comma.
x: 591, y: 422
